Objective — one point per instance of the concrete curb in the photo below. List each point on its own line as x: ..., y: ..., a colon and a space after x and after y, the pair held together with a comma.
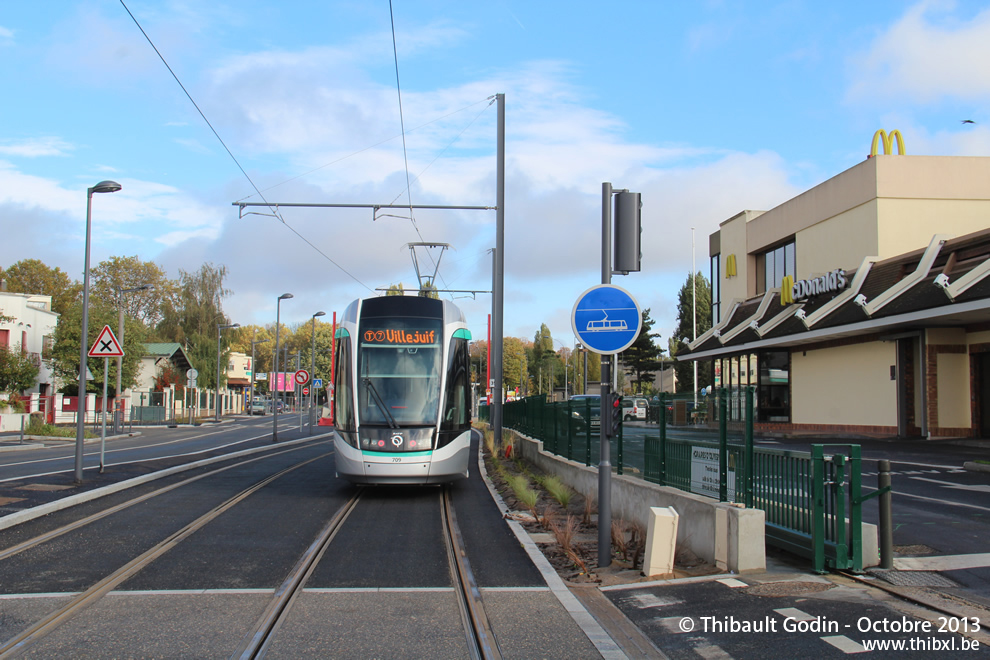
x: 58, y: 441
x: 976, y: 467
x: 597, y: 635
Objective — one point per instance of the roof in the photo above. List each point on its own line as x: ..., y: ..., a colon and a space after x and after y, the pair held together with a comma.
x: 946, y: 284
x: 172, y: 351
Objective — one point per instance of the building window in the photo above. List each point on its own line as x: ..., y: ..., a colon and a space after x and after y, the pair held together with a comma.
x: 716, y: 283
x: 774, y: 389
x: 46, y: 347
x: 773, y: 265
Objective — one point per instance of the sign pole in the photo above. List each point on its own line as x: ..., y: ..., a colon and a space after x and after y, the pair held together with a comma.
x: 103, y: 425
x: 605, y: 415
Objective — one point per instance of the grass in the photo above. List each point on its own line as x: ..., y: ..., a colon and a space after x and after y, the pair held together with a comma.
x: 558, y: 490
x: 50, y: 431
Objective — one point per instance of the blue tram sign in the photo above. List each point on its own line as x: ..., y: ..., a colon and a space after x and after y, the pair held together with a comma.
x: 606, y: 319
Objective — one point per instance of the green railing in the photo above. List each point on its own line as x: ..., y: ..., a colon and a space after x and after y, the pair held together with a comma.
x: 812, y: 500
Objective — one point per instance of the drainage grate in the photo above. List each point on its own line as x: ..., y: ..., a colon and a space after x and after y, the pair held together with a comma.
x: 912, y: 578
x: 914, y: 550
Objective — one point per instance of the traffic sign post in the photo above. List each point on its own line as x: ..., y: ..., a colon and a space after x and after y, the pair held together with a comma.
x: 106, y: 346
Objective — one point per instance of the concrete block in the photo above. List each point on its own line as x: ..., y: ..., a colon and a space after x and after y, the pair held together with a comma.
x: 661, y: 538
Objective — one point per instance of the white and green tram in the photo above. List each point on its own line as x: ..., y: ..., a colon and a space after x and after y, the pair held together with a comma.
x: 402, y: 404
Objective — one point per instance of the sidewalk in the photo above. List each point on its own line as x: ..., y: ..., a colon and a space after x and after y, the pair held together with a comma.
x: 780, y: 613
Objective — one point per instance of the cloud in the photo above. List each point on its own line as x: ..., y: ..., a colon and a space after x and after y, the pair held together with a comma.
x: 33, y: 148
x: 927, y: 54
x: 6, y: 35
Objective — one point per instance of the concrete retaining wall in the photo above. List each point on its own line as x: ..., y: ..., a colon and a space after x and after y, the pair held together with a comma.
x: 12, y: 421
x: 726, y: 535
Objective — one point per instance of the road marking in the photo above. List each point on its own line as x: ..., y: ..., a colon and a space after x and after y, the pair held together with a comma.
x: 935, y: 499
x: 671, y: 624
x: 732, y: 583
x: 942, y: 562
x: 711, y: 652
x: 794, y: 613
x: 844, y: 644
x: 647, y: 600
x: 977, y: 488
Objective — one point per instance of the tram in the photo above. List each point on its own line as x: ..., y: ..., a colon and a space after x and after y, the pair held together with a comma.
x: 402, y: 392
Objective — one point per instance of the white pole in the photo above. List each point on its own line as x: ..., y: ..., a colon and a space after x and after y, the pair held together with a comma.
x: 103, y: 426
x: 694, y: 315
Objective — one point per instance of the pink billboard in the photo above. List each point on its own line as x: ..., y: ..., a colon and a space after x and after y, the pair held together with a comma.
x: 285, y: 382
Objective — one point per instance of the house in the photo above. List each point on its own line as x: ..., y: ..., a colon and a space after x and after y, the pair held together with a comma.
x: 30, y: 330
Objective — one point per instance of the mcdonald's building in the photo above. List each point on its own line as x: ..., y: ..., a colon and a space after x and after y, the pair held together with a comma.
x: 861, y: 306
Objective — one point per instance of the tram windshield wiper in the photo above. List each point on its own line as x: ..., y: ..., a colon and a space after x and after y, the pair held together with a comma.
x: 380, y: 403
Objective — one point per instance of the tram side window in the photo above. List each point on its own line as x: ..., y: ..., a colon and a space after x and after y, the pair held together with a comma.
x: 457, y: 408
x: 343, y: 388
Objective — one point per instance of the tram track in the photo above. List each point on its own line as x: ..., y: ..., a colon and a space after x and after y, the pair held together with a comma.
x: 480, y: 638
x: 20, y: 642
x: 82, y: 522
x: 478, y: 633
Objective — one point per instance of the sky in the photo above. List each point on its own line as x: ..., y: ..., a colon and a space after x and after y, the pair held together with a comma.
x: 706, y: 108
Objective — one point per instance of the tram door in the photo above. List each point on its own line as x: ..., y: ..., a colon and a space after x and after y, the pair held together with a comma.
x: 983, y: 395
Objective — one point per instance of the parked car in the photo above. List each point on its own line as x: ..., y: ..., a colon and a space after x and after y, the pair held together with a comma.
x: 258, y: 406
x: 579, y: 411
x: 634, y: 408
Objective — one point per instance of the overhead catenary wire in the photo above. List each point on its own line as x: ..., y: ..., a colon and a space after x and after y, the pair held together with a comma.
x: 489, y: 101
x: 231, y: 154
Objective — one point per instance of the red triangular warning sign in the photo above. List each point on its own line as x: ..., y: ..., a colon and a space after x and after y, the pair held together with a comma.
x: 106, y: 345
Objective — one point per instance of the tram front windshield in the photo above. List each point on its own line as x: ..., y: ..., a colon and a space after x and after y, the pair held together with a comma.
x: 399, y: 371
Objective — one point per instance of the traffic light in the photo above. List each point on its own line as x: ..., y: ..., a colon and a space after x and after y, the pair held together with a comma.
x: 616, y: 413
x: 626, y: 245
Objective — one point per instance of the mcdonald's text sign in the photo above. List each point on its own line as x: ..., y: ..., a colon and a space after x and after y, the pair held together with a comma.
x: 791, y: 291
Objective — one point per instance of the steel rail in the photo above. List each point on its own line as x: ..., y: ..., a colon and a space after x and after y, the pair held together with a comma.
x: 82, y: 522
x: 481, y: 640
x: 49, y: 623
x: 255, y: 644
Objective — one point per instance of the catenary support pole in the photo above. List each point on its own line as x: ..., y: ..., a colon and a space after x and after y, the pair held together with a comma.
x: 498, y: 286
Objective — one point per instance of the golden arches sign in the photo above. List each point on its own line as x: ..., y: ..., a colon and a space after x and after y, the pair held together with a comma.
x: 786, y: 290
x: 888, y: 142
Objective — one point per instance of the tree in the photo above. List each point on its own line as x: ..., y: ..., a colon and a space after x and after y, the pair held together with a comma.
x: 395, y: 290
x: 117, y: 273
x: 513, y: 363
x: 685, y: 316
x: 643, y: 358
x: 66, y: 346
x: 34, y: 277
x: 18, y: 371
x: 429, y: 290
x: 545, y: 366
x: 191, y: 318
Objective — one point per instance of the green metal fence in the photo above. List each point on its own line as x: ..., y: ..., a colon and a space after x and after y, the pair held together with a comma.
x: 812, y: 500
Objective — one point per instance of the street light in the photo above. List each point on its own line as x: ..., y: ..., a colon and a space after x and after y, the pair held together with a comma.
x: 278, y: 311
x: 216, y: 395
x: 101, y: 187
x: 254, y: 369
x: 120, y: 336
x: 312, y: 372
